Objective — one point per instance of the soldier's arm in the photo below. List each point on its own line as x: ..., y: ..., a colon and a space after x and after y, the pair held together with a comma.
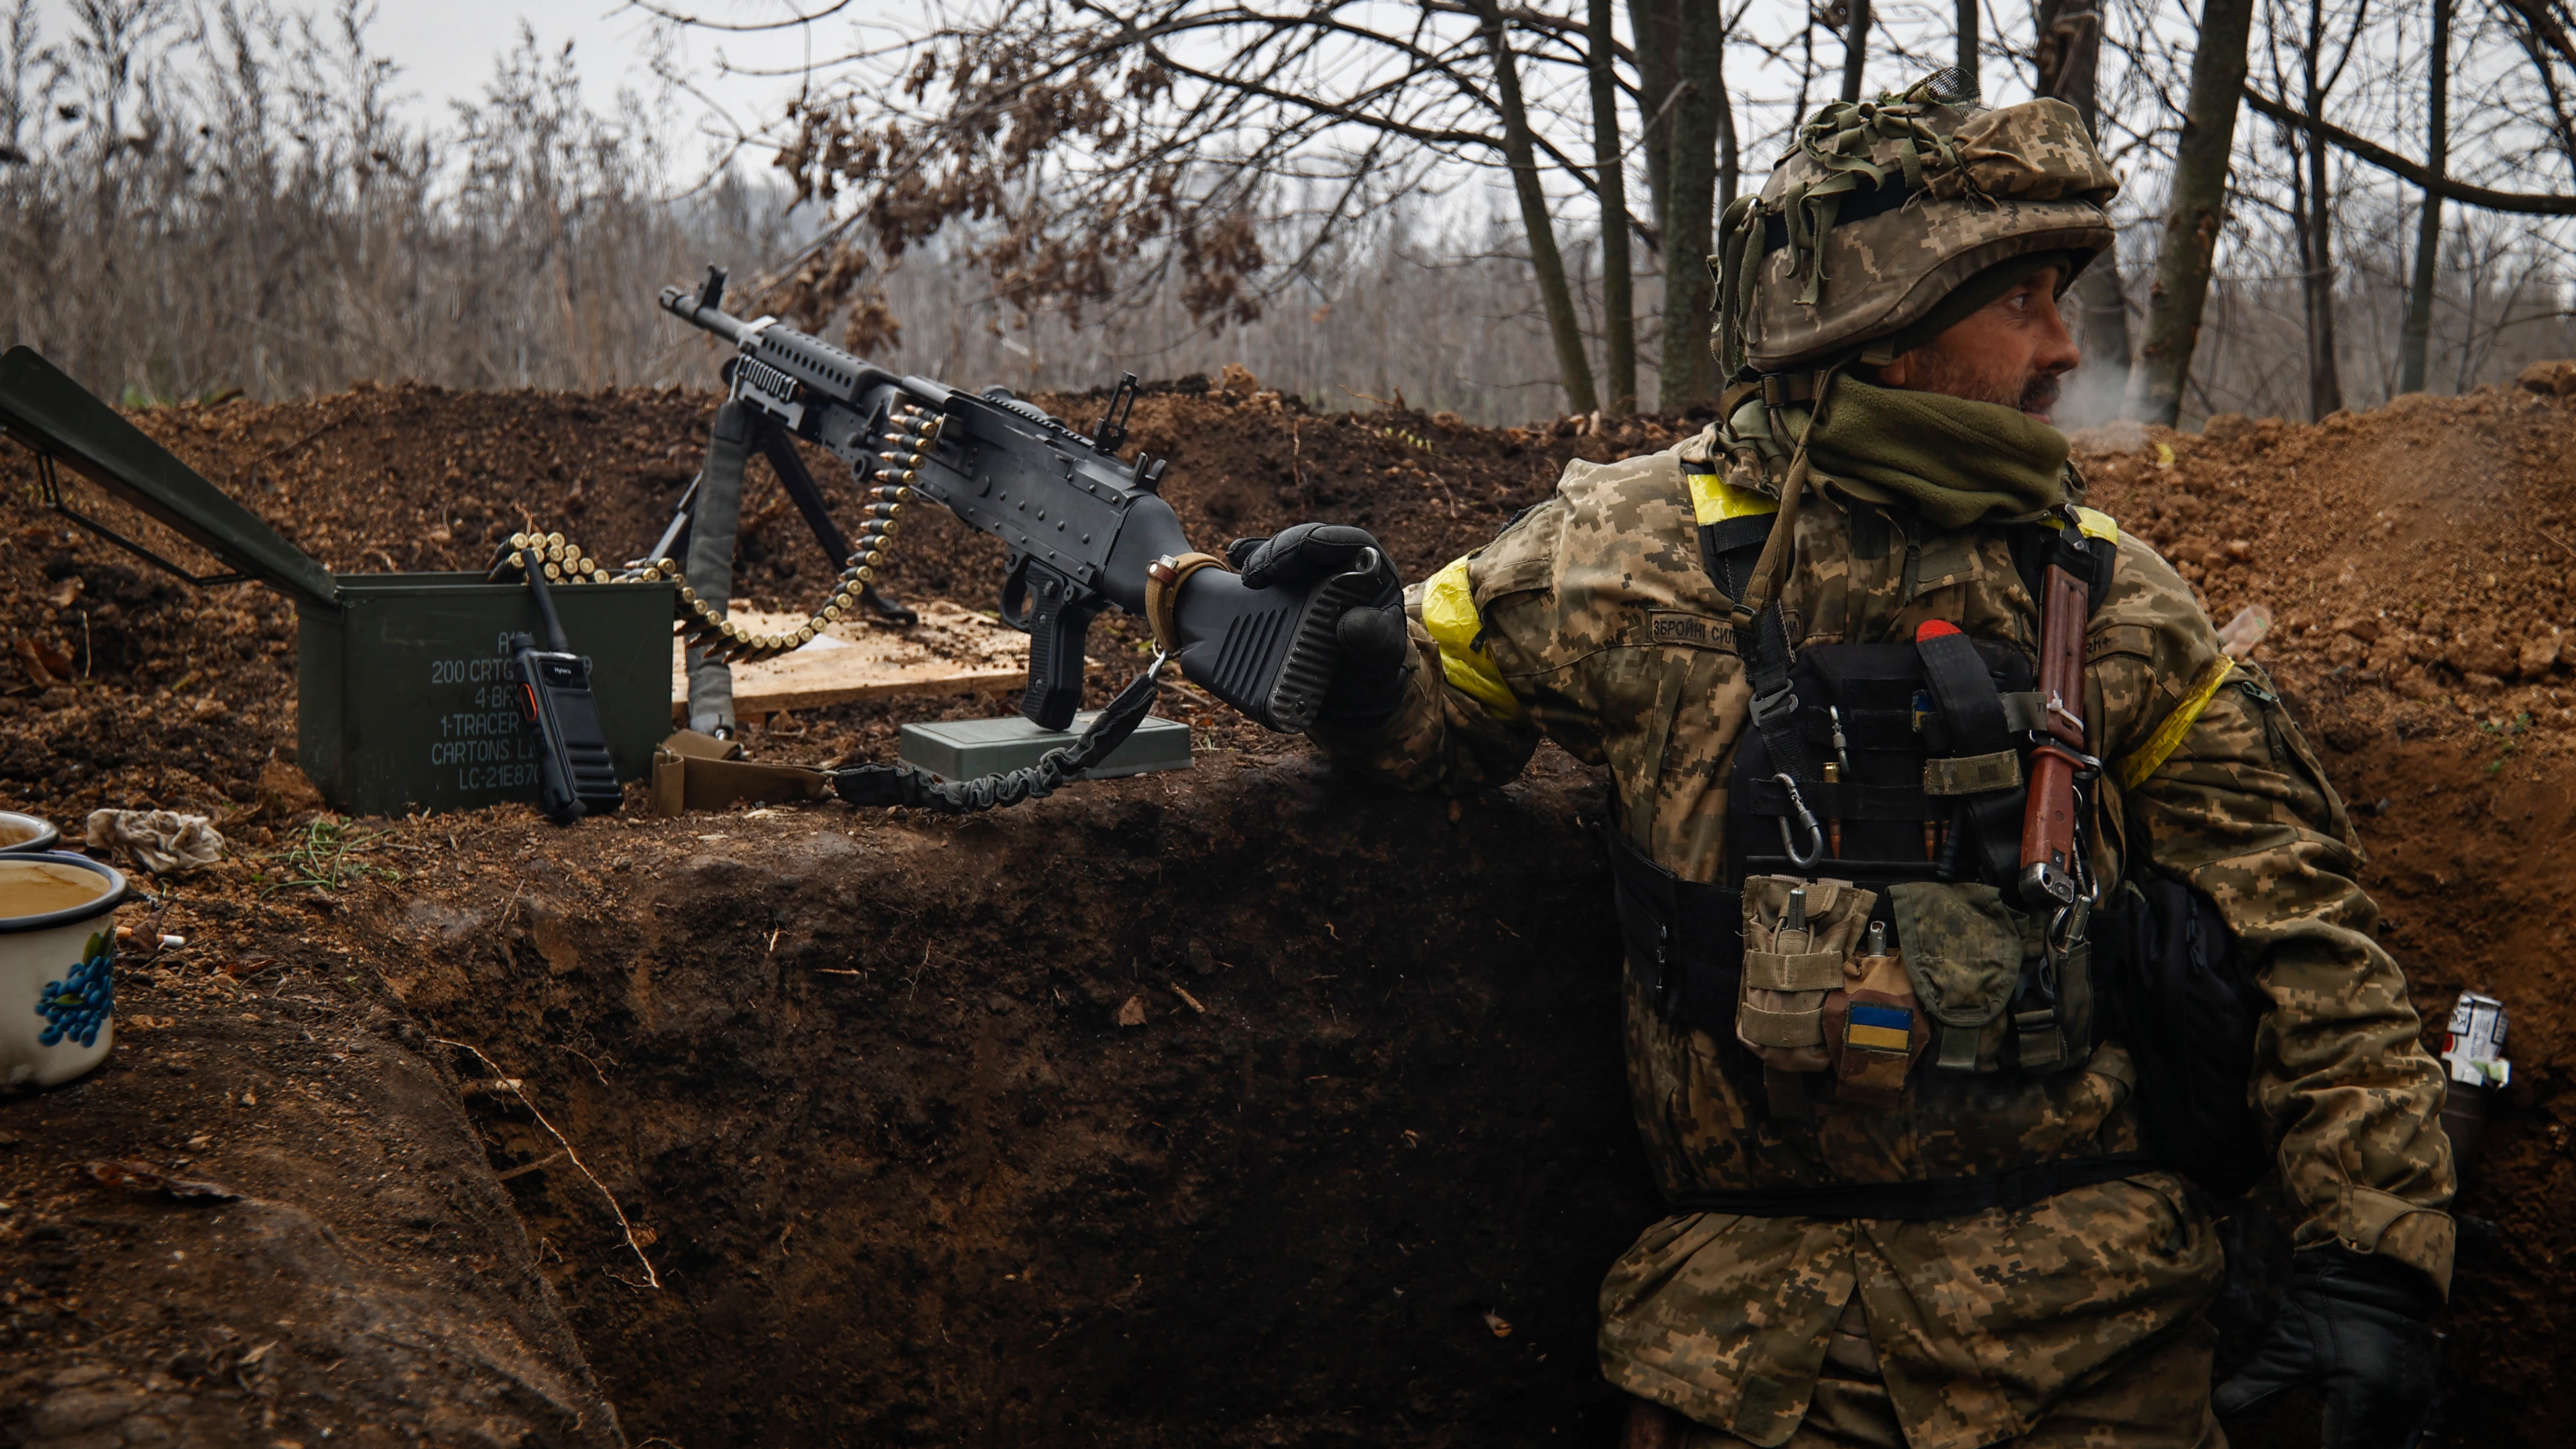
x: 2235, y: 802
x: 1441, y: 737
x: 1470, y: 719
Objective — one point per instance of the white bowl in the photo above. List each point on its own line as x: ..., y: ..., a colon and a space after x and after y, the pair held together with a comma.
x: 26, y: 834
x: 58, y: 982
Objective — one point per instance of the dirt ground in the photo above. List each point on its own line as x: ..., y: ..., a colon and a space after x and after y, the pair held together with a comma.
x: 788, y: 1126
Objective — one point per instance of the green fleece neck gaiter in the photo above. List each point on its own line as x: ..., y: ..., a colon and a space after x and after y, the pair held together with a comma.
x: 1949, y: 459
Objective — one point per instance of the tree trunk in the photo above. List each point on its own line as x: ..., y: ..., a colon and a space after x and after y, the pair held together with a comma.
x: 2069, y: 62
x: 2418, y: 337
x: 1618, y: 304
x: 1856, y: 49
x: 2198, y: 207
x: 1966, y: 64
x: 2316, y: 280
x: 2325, y: 380
x: 1688, y: 291
x: 1730, y: 160
x: 1656, y: 26
x: 1573, y: 367
x: 2067, y: 55
x: 2306, y: 239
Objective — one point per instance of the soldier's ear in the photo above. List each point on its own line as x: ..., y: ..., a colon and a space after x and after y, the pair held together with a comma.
x: 1898, y: 372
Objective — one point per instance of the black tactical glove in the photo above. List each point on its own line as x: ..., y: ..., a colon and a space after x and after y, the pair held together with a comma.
x: 1368, y: 681
x: 2353, y: 1324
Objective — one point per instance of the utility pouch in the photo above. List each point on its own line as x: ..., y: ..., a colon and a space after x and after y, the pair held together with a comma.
x: 1964, y: 951
x: 1797, y: 935
x: 1875, y: 1030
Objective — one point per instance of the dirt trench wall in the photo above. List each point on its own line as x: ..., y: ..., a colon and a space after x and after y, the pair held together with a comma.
x: 906, y: 1178
x: 335, y: 1264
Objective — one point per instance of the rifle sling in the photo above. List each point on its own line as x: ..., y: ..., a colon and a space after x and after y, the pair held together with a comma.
x: 1761, y: 629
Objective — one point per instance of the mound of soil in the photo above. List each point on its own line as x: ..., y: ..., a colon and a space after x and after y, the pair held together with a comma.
x: 1239, y: 1107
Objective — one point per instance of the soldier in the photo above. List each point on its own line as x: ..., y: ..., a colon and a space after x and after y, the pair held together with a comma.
x: 1903, y: 1134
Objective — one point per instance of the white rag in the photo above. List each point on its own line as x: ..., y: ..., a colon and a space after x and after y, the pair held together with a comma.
x: 164, y: 842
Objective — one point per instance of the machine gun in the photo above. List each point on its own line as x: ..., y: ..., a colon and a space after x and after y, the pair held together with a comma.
x: 1084, y: 529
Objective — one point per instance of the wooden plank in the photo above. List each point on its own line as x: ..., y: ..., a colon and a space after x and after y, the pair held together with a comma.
x: 951, y: 649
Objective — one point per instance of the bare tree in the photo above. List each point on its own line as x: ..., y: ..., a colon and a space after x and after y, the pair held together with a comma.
x: 191, y: 200
x: 2195, y: 212
x: 1730, y: 156
x: 2540, y: 28
x: 1855, y: 46
x: 1572, y: 365
x: 1609, y: 164
x: 2428, y: 226
x: 2312, y: 194
x: 1656, y: 26
x: 1966, y: 28
x: 2067, y: 61
x: 1087, y: 153
x: 196, y: 208
x: 1690, y: 225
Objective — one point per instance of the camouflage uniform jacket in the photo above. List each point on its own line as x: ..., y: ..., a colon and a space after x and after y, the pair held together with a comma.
x: 1591, y: 620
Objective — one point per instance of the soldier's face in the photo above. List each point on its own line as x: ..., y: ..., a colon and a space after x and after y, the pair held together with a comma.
x: 2009, y: 352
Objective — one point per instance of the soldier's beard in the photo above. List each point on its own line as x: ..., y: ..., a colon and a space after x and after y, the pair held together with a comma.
x: 2034, y: 393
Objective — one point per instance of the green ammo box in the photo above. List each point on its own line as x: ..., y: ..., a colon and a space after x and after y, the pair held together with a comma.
x: 404, y: 695
x: 405, y: 701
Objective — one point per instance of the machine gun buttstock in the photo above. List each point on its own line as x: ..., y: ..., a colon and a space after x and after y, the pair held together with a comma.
x: 1056, y: 613
x: 1268, y: 652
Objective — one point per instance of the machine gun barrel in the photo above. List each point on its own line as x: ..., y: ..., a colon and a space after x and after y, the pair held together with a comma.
x: 686, y: 305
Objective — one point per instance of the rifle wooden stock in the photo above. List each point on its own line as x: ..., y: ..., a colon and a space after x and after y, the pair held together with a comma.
x: 2049, y: 824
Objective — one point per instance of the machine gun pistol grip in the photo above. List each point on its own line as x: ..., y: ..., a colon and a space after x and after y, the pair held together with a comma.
x: 1056, y: 612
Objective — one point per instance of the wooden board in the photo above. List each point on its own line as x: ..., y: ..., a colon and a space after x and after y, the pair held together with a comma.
x: 950, y: 649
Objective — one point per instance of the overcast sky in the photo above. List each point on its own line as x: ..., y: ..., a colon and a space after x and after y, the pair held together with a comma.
x: 447, y: 48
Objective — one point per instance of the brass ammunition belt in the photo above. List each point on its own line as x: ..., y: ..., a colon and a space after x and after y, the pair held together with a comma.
x: 698, y: 622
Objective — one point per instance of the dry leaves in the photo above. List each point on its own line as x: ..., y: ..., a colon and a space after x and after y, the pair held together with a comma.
x: 1133, y: 1013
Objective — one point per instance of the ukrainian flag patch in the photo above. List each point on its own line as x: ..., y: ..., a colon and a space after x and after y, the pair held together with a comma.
x: 1880, y: 1028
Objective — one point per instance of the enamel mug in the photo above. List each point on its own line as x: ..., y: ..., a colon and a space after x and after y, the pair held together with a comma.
x: 57, y: 966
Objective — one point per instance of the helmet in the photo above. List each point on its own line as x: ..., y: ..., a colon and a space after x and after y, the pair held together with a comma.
x: 1883, y: 209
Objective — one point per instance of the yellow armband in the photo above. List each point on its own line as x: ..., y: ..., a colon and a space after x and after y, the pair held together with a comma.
x: 1449, y: 616
x: 2135, y: 766
x: 1714, y: 500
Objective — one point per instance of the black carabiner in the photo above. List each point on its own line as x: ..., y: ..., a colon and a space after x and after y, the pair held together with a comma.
x: 1806, y: 819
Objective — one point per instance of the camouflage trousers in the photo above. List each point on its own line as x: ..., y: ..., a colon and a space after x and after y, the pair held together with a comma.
x: 2157, y: 1399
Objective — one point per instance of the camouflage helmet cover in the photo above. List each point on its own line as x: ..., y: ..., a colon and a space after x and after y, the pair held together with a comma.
x: 1882, y: 208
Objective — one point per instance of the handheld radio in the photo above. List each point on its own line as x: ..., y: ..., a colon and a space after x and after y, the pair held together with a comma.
x: 574, y: 774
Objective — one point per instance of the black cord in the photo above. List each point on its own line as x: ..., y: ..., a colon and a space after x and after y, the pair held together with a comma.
x: 912, y: 785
